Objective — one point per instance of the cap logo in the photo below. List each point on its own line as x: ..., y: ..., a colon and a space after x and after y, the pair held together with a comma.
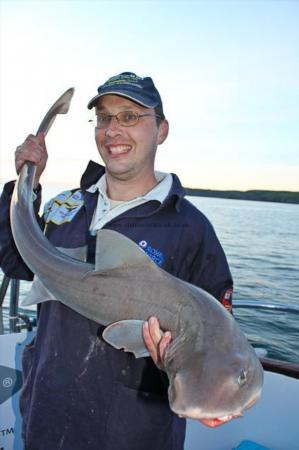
x: 124, y: 79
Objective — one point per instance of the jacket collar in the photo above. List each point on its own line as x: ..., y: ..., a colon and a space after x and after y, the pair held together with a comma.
x: 91, y: 175
x: 94, y: 171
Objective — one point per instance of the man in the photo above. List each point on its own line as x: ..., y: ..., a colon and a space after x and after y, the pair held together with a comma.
x: 79, y: 393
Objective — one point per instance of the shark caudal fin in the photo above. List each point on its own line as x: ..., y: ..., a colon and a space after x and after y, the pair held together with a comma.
x: 116, y: 250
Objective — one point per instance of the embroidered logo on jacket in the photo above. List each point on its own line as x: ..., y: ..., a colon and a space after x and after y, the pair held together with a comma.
x: 63, y: 207
x: 227, y: 298
x: 155, y: 254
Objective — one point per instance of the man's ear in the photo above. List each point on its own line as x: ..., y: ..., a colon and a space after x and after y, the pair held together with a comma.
x: 163, y: 131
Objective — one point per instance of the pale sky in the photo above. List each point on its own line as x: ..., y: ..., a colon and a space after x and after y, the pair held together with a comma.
x: 227, y: 71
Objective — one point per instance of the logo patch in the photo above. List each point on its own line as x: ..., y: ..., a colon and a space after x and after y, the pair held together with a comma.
x: 227, y: 299
x: 155, y: 254
x: 126, y: 78
x: 64, y: 207
x: 10, y: 382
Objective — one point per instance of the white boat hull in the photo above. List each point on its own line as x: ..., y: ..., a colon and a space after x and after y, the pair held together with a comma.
x: 272, y: 422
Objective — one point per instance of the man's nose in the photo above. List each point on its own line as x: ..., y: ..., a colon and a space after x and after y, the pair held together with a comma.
x: 113, y: 127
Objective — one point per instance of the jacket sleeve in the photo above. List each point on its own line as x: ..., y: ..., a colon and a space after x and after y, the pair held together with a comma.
x: 210, y: 269
x: 10, y: 260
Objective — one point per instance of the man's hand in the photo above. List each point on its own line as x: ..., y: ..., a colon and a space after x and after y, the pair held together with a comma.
x: 33, y: 149
x: 156, y: 341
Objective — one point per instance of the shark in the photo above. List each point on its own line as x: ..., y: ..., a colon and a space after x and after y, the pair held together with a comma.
x: 213, y: 371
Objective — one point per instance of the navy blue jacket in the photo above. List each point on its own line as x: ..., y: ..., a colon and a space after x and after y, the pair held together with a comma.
x: 79, y: 393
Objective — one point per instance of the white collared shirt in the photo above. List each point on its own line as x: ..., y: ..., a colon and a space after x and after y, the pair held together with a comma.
x: 108, y: 209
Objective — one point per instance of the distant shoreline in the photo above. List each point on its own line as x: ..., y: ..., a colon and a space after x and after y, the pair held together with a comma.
x: 255, y: 195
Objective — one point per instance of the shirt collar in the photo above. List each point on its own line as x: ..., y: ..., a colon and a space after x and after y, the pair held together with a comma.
x: 159, y: 192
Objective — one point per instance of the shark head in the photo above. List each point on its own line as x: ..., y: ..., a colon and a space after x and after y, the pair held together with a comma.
x: 216, y: 382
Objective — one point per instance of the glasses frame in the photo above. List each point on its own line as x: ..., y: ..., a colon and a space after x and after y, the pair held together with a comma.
x: 138, y: 116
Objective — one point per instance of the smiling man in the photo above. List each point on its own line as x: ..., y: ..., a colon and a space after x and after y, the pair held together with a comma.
x: 127, y: 136
x: 79, y: 393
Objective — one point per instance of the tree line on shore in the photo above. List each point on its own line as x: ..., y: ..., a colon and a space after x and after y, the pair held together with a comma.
x: 257, y: 195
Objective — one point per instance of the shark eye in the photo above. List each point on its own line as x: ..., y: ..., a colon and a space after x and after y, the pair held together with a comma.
x: 242, y: 378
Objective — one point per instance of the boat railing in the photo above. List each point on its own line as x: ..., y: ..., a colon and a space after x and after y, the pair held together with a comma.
x: 273, y: 365
x: 287, y: 307
x: 17, y: 321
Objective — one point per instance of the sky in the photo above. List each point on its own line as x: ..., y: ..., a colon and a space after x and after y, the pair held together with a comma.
x: 227, y: 71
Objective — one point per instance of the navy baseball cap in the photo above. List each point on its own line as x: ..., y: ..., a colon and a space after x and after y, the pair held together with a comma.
x: 129, y: 85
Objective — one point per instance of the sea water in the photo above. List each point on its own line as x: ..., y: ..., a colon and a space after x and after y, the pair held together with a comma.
x: 261, y: 242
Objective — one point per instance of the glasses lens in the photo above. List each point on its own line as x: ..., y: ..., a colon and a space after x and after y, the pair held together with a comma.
x: 103, y: 120
x: 127, y: 118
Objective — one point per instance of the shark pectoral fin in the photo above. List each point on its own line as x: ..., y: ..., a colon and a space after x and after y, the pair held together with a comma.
x: 116, y: 250
x: 37, y: 294
x: 127, y: 335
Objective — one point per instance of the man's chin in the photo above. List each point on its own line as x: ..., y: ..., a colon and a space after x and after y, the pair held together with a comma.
x: 119, y: 172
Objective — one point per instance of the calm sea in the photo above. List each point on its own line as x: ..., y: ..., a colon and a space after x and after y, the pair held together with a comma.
x: 261, y: 241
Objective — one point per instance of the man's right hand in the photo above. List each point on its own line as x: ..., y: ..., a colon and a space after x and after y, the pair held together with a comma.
x: 33, y: 149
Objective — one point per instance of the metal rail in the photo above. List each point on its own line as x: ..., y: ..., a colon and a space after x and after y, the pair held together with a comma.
x: 14, y: 305
x: 288, y: 307
x: 3, y: 288
x: 15, y: 316
x: 17, y: 321
x: 269, y: 364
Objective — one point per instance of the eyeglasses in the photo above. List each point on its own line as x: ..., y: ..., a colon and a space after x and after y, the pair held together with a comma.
x: 124, y: 118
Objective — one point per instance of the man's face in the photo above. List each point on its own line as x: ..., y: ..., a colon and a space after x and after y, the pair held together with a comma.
x: 128, y: 152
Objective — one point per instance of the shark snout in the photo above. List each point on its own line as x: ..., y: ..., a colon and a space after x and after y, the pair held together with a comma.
x: 220, y: 398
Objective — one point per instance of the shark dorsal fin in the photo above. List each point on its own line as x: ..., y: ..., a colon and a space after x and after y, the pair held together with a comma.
x: 116, y: 250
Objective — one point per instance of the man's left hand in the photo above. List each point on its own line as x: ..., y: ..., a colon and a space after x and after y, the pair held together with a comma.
x: 157, y: 343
